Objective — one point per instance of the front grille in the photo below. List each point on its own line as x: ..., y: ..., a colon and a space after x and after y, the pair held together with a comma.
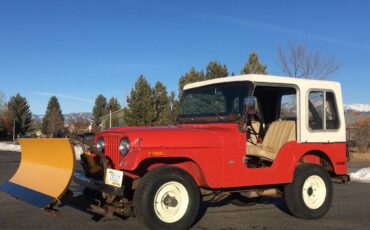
x: 111, y: 149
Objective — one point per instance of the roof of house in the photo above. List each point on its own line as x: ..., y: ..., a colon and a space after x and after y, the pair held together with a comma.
x: 354, y: 117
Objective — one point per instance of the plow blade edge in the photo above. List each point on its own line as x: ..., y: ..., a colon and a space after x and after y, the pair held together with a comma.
x: 44, y: 173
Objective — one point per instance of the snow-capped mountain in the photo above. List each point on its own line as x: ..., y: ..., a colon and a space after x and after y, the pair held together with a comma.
x: 37, y: 117
x: 357, y: 107
x: 75, y: 117
x: 69, y: 118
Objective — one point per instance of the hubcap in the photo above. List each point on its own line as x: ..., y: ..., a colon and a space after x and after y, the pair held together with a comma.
x: 314, y: 192
x: 171, y: 202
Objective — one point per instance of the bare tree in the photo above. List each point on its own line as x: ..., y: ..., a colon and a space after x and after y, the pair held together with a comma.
x: 6, y: 122
x: 299, y: 62
x: 2, y: 100
x: 362, y: 135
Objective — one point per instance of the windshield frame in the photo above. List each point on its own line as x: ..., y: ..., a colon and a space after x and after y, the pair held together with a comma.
x: 214, y: 117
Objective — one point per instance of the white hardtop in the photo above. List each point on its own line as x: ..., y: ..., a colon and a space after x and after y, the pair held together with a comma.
x: 259, y: 78
x: 303, y: 87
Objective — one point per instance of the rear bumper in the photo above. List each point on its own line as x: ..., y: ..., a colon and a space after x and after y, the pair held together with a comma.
x: 94, y: 184
x: 341, y: 179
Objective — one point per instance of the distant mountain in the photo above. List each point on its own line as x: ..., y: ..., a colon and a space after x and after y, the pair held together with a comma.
x: 69, y: 118
x: 37, y: 117
x: 357, y: 108
x: 73, y: 117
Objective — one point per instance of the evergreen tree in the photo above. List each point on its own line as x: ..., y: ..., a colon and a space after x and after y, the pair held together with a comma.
x: 20, y: 111
x: 253, y: 65
x: 99, y: 110
x: 190, y: 77
x: 173, y: 108
x: 53, y: 121
x: 113, y: 105
x: 216, y: 70
x: 140, y: 108
x: 161, y: 104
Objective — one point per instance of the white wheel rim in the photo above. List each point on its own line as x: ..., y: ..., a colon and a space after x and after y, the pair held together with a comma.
x: 314, y: 192
x: 171, y: 202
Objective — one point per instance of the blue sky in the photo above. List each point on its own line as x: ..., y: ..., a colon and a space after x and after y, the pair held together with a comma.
x: 79, y: 49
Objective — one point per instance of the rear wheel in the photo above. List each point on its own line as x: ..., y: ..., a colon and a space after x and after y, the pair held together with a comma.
x: 167, y: 198
x: 310, y: 194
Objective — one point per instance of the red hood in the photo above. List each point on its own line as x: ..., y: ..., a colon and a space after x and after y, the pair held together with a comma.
x: 182, y: 136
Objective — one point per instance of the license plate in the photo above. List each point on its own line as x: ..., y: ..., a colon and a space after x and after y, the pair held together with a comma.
x: 114, y: 177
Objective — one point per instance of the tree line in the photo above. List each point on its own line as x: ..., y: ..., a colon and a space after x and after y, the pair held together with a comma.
x: 154, y: 105
x: 147, y: 105
x: 16, y: 117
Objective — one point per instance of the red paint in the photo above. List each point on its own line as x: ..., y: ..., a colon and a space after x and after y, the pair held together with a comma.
x: 213, y: 154
x: 311, y: 159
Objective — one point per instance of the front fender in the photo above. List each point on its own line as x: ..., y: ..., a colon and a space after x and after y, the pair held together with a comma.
x: 206, y: 164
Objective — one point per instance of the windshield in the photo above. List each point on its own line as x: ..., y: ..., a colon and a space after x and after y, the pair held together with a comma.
x: 213, y: 103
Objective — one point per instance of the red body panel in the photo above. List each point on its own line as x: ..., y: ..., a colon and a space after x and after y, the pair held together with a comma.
x: 215, y: 154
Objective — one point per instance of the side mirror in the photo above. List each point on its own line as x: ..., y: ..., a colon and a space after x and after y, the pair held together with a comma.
x: 250, y: 104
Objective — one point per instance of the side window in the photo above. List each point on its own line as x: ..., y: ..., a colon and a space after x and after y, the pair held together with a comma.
x: 316, y: 110
x: 322, y: 111
x: 332, y: 120
x: 288, y: 107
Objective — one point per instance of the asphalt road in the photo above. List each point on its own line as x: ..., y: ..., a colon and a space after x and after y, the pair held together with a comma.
x: 350, y: 210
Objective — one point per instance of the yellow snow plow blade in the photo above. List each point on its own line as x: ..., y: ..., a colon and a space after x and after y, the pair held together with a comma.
x: 44, y: 173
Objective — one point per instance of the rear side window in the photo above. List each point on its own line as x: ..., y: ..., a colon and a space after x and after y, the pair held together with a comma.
x: 323, y: 113
x: 331, y: 111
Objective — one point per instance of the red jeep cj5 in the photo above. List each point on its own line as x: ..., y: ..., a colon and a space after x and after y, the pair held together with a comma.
x: 238, y: 137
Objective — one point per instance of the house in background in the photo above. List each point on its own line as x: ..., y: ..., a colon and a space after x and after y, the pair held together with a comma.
x: 352, y: 119
x: 79, y: 128
x: 113, y: 119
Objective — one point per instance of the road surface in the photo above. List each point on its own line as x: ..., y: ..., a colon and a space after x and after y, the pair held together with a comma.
x: 350, y: 210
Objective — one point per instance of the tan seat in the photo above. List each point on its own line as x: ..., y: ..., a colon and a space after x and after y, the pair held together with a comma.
x: 278, y: 134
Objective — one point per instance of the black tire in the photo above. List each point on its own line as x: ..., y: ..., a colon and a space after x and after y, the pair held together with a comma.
x: 153, y: 182
x: 318, y: 194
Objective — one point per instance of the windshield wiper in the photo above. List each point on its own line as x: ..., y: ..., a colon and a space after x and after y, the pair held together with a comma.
x: 217, y: 114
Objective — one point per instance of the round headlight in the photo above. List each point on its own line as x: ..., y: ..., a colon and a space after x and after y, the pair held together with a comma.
x: 124, y: 146
x: 100, y: 144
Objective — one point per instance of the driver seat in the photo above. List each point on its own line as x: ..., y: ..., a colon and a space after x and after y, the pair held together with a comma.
x: 278, y: 134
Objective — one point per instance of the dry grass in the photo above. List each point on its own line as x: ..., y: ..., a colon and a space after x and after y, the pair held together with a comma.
x: 360, y: 157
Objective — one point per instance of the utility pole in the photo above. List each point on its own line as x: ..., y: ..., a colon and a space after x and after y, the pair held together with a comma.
x: 110, y: 118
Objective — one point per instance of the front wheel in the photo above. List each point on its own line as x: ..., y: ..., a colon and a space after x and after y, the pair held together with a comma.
x: 310, y: 194
x: 167, y: 198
